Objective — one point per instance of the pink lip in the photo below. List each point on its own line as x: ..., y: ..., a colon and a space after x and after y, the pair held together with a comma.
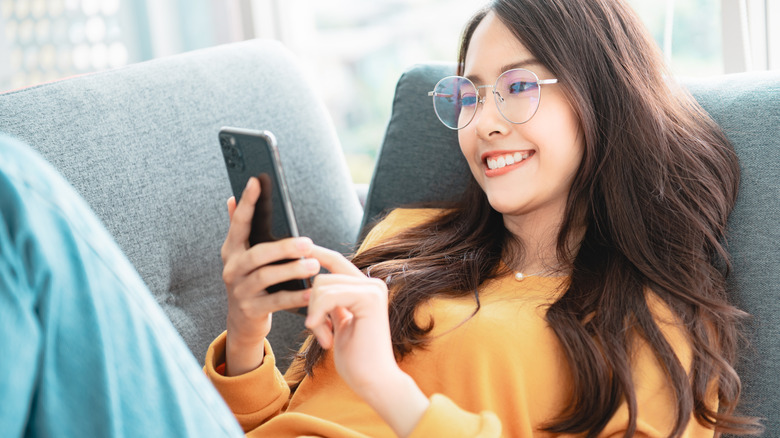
x: 506, y: 169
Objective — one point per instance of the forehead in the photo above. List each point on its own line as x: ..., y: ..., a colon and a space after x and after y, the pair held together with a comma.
x: 492, y: 46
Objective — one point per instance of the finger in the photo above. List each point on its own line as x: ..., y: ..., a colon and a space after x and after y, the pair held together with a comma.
x: 339, y: 317
x: 325, y: 299
x: 283, y: 300
x: 241, y: 219
x: 324, y: 336
x: 262, y: 254
x: 231, y: 206
x: 324, y: 333
x: 329, y: 279
x: 263, y: 303
x: 335, y: 262
x: 261, y: 279
x: 324, y: 282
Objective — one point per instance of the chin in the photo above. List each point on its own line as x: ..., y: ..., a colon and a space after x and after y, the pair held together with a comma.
x: 506, y: 206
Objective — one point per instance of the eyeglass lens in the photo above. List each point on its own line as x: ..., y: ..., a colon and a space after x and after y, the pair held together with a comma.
x: 516, y: 93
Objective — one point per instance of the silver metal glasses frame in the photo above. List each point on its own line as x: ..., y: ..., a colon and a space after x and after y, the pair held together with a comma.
x: 496, y: 95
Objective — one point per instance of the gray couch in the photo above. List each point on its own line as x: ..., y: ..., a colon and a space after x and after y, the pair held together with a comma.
x: 140, y: 144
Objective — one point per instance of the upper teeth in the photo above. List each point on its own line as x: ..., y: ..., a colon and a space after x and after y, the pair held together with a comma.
x: 506, y: 160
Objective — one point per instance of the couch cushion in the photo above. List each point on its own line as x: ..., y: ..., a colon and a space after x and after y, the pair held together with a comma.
x: 747, y: 107
x: 420, y: 161
x: 140, y: 145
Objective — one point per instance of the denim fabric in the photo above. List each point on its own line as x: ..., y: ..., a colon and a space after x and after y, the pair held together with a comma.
x: 85, y: 349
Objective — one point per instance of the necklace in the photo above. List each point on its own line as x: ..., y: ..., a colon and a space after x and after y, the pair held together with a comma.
x: 520, y: 276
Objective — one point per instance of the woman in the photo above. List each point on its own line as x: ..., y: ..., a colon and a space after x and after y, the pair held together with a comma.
x: 585, y: 295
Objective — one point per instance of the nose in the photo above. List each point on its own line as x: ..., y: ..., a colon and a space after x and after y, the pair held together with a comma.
x: 488, y: 120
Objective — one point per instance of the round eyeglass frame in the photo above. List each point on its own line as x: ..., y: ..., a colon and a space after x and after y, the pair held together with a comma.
x: 496, y: 96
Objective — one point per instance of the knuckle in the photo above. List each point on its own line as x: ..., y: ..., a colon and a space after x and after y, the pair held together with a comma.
x: 245, y: 308
x: 228, y: 274
x: 319, y: 294
x: 379, y: 285
x: 292, y: 248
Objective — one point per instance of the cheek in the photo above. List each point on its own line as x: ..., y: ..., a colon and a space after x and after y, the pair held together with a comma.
x: 564, y: 133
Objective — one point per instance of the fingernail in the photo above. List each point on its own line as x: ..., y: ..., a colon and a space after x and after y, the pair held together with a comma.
x: 248, y: 182
x: 306, y: 296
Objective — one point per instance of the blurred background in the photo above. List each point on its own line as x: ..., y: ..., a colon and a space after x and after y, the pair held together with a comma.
x: 357, y: 48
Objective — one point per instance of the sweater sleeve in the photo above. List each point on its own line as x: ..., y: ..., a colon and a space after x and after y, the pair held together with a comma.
x: 444, y: 418
x: 254, y: 397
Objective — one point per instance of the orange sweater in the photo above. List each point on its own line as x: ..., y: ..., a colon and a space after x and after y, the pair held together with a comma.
x: 500, y: 373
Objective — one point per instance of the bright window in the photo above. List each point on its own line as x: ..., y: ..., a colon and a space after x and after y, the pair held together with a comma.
x: 47, y: 40
x: 688, y: 32
x: 357, y: 48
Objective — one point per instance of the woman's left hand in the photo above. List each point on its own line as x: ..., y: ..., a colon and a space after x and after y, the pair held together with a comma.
x: 348, y: 313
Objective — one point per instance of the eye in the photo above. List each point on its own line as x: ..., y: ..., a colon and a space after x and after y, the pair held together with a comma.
x: 468, y: 99
x: 518, y: 87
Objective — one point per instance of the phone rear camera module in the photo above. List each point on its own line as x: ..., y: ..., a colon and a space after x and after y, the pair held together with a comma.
x: 234, y: 158
x: 227, y: 142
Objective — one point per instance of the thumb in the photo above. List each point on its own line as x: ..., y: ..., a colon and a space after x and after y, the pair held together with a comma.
x: 231, y: 206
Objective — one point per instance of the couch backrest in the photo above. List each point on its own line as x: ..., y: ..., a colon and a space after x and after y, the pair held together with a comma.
x: 140, y: 145
x: 420, y: 161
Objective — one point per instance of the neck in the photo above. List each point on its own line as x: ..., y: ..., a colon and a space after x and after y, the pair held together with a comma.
x: 534, y: 247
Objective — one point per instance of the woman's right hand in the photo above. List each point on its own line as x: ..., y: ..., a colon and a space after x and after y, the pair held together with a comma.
x: 247, y: 273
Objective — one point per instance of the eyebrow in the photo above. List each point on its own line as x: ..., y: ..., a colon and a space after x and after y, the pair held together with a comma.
x: 520, y: 64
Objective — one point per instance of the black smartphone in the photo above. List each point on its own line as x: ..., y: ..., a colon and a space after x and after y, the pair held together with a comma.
x: 249, y: 153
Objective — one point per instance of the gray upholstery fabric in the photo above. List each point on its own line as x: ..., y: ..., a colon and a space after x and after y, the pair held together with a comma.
x: 140, y: 145
x: 420, y: 161
x: 747, y: 107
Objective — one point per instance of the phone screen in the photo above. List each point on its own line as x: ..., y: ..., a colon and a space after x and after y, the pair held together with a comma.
x: 253, y: 153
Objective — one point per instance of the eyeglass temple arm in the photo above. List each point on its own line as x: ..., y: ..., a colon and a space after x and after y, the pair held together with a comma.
x: 542, y: 82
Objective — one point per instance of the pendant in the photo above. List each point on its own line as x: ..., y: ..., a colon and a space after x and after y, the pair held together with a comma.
x: 519, y: 276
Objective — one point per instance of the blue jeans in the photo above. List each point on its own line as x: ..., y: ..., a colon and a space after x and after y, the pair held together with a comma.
x: 85, y: 350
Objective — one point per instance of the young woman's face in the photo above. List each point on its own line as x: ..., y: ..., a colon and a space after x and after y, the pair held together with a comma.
x: 551, y: 140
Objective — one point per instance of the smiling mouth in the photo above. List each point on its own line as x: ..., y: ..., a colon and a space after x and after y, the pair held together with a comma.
x: 500, y: 161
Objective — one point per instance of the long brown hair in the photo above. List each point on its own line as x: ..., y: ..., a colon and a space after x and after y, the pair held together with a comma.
x: 656, y: 184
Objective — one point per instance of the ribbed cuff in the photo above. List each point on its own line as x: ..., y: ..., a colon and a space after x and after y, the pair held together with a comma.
x: 262, y: 391
x: 444, y: 418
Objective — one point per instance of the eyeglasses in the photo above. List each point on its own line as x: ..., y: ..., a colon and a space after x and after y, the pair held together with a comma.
x: 516, y: 92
